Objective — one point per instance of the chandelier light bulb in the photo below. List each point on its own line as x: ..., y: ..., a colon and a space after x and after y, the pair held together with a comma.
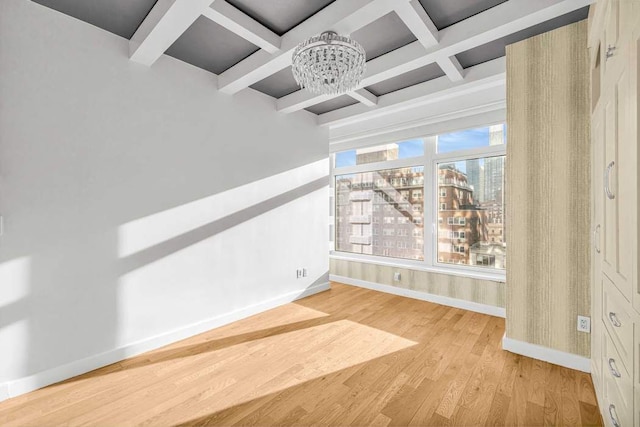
x: 329, y: 64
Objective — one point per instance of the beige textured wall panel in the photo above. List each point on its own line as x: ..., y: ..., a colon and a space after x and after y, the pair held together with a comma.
x: 481, y: 291
x: 548, y: 189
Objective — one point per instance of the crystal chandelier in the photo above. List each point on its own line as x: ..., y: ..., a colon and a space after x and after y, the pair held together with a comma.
x: 328, y: 64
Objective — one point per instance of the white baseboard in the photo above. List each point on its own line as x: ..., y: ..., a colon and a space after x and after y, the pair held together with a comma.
x: 546, y: 354
x: 41, y: 379
x: 409, y: 293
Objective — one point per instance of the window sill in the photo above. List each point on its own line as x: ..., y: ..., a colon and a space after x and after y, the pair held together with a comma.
x: 420, y: 266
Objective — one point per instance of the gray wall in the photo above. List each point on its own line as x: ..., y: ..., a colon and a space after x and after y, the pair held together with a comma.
x: 140, y: 201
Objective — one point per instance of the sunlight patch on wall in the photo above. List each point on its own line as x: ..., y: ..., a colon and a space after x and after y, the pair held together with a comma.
x: 14, y: 280
x: 151, y: 230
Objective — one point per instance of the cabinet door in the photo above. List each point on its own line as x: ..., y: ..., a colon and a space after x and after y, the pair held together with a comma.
x: 619, y: 182
x: 597, y: 153
x: 634, y: 64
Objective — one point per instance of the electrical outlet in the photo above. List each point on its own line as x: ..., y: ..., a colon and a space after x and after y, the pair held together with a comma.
x: 584, y: 324
x: 304, y: 272
x: 298, y: 273
x: 397, y: 277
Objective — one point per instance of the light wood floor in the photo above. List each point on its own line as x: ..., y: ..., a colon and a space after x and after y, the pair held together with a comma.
x: 349, y: 356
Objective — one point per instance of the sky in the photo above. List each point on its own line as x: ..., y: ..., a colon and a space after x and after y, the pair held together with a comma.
x: 463, y: 140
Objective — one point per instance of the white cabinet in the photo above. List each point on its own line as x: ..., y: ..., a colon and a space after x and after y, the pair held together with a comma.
x: 614, y: 42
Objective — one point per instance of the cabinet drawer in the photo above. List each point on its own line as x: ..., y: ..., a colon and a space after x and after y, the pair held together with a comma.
x: 615, y: 409
x: 618, y: 388
x: 618, y: 380
x: 616, y: 314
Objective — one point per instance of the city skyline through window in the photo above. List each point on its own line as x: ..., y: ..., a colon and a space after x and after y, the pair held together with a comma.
x: 384, y: 212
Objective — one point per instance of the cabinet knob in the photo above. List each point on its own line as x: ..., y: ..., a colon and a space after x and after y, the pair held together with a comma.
x: 614, y: 319
x: 613, y: 368
x: 607, y: 179
x: 613, y: 415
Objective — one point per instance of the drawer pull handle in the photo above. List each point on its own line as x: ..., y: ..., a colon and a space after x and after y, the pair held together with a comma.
x: 614, y: 320
x: 613, y: 368
x: 596, y: 238
x: 613, y: 415
x: 610, y: 50
x: 607, y: 178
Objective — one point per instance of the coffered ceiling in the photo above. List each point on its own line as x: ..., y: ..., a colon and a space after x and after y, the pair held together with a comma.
x: 417, y: 50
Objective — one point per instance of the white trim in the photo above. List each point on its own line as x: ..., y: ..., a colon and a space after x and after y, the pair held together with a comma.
x: 488, y: 75
x: 470, y: 272
x: 489, y: 114
x: 41, y: 379
x: 423, y: 296
x: 4, y: 392
x: 546, y: 354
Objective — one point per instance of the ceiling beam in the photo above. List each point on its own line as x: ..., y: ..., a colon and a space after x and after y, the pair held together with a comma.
x: 164, y: 24
x: 222, y: 13
x: 497, y: 22
x: 376, y: 67
x: 452, y: 68
x: 479, y: 77
x: 416, y: 19
x: 364, y: 96
x: 342, y: 16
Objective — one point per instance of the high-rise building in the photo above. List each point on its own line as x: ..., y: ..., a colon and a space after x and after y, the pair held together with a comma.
x: 381, y: 213
x: 494, y: 168
x: 475, y: 177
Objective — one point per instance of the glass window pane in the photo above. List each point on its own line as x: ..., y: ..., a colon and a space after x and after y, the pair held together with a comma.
x: 380, y: 153
x: 471, y: 215
x: 471, y: 138
x: 381, y: 213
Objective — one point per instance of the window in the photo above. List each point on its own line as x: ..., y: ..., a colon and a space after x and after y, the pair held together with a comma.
x: 381, y: 191
x: 458, y: 220
x: 380, y: 153
x: 485, y: 260
x: 478, y: 184
x: 471, y: 138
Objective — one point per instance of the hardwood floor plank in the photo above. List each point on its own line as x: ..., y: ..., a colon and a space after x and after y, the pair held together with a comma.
x: 589, y: 415
x: 498, y: 410
x: 349, y: 356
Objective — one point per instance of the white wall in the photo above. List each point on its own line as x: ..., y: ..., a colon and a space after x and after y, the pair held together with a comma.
x: 139, y: 202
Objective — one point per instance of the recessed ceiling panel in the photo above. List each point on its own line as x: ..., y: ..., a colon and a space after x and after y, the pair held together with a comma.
x: 383, y: 35
x: 419, y: 75
x: 496, y: 48
x: 444, y: 13
x: 210, y: 46
x: 279, y: 84
x: 332, y: 104
x: 121, y: 17
x: 280, y: 16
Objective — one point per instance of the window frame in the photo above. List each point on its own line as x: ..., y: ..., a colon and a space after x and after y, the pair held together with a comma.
x: 431, y: 204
